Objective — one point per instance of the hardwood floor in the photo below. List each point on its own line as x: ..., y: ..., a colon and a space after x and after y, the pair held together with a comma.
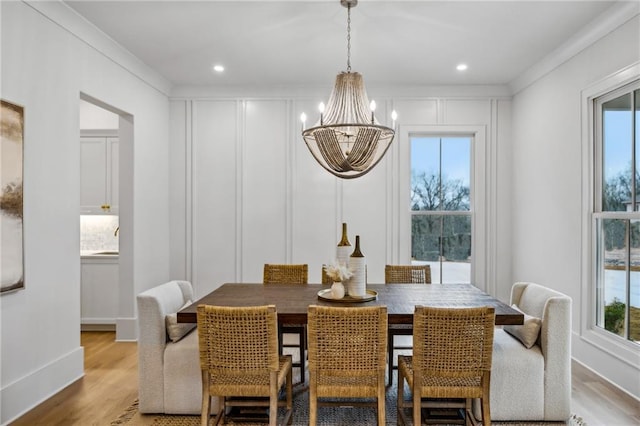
x: 110, y: 385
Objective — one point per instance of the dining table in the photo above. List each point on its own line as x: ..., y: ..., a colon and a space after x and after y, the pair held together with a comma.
x: 293, y: 300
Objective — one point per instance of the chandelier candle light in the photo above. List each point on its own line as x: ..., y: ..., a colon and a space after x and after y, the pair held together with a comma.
x: 348, y: 141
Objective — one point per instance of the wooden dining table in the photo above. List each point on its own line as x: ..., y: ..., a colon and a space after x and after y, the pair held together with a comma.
x: 293, y: 300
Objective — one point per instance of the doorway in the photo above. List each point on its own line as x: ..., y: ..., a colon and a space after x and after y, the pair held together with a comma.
x: 106, y: 217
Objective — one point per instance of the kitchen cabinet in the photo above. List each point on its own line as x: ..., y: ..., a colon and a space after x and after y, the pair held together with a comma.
x: 99, y: 290
x: 99, y: 169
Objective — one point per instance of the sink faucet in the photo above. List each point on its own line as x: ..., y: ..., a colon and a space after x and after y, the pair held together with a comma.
x: 115, y: 234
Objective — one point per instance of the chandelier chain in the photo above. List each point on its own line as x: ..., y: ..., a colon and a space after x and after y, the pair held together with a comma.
x: 349, y: 37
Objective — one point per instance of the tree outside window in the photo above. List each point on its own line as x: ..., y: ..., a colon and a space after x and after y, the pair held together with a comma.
x: 441, y: 206
x: 617, y: 216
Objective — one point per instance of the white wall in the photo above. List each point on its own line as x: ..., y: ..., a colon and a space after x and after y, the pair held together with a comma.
x: 547, y: 186
x: 45, y: 68
x: 246, y: 191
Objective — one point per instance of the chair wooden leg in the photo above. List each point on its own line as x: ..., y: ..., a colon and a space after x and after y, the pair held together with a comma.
x: 290, y: 396
x: 381, y: 398
x: 206, y: 399
x: 468, y: 417
x: 313, y: 401
x: 303, y: 345
x: 417, y: 421
x: 273, y: 399
x: 390, y: 360
x: 400, y: 404
x: 486, y: 412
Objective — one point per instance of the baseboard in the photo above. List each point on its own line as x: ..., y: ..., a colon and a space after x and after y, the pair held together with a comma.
x: 126, y: 329
x: 611, y: 369
x: 27, y: 392
x: 97, y: 327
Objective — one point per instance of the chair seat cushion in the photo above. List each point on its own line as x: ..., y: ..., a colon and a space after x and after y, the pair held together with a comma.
x: 517, y: 380
x: 181, y: 370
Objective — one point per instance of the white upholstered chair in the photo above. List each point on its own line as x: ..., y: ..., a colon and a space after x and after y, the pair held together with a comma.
x: 533, y: 383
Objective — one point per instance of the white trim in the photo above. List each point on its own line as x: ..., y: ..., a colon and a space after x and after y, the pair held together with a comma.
x: 290, y: 155
x: 41, y: 384
x: 189, y: 190
x: 482, y: 192
x: 626, y: 352
x: 241, y: 138
x: 605, y: 379
x: 126, y: 329
x: 316, y: 92
x: 608, y: 21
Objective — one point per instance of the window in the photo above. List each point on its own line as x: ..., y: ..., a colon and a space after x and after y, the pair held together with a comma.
x: 616, y: 212
x: 441, y: 214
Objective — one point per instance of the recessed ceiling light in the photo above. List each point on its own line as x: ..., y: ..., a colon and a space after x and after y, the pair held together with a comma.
x: 218, y: 68
x: 462, y: 67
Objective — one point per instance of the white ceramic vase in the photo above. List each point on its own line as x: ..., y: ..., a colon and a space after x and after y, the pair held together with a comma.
x: 337, y: 290
x: 357, y: 285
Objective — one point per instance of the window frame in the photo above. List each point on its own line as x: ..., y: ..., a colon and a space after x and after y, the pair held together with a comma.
x: 621, y: 349
x: 482, y: 253
x: 599, y: 215
x: 444, y: 213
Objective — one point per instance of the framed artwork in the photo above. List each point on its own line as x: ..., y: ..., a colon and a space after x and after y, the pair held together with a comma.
x: 11, y: 177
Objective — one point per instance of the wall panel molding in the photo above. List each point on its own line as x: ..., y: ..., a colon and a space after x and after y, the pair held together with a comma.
x: 304, y: 204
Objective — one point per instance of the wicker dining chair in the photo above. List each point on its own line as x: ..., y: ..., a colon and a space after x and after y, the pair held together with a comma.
x: 325, y: 278
x: 290, y: 274
x: 347, y: 357
x: 239, y: 360
x: 452, y: 350
x: 403, y: 274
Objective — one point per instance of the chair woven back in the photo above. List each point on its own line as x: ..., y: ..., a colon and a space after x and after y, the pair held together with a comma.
x: 238, y: 341
x: 407, y: 274
x: 453, y: 342
x: 325, y: 279
x: 347, y: 341
x: 286, y: 274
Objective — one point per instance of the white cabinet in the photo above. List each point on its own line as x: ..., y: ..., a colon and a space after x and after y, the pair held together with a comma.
x: 99, y: 290
x: 99, y: 175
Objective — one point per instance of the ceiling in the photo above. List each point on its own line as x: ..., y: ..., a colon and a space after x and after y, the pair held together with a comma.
x: 297, y: 43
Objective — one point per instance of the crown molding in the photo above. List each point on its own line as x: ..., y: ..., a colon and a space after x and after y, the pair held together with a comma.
x: 611, y: 19
x: 299, y: 92
x: 69, y: 20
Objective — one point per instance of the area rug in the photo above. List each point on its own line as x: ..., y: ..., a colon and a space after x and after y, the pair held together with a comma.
x: 328, y: 416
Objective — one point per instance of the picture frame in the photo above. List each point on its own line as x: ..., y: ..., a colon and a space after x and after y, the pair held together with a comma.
x: 11, y: 197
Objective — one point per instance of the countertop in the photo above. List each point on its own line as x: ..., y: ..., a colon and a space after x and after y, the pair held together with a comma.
x: 99, y: 254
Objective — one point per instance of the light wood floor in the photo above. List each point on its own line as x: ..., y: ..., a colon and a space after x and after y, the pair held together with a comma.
x: 110, y: 385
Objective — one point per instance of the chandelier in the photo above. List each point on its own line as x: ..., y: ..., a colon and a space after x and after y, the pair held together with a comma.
x: 348, y: 141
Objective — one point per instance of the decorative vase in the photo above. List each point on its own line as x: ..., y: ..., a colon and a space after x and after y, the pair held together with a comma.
x: 344, y: 247
x: 337, y: 290
x: 357, y: 285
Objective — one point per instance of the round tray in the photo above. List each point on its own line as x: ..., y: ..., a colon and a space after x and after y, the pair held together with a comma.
x: 369, y: 296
